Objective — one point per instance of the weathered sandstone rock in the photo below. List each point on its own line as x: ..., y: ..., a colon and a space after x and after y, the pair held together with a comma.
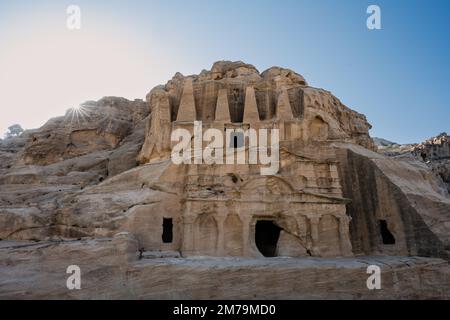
x: 435, y: 152
x: 110, y: 269
x: 103, y: 193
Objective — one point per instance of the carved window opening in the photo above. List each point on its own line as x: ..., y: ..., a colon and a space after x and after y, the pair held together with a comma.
x: 167, y: 235
x: 266, y: 237
x: 237, y: 140
x: 386, y: 235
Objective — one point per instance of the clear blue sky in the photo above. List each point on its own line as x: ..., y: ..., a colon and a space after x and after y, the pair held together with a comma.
x: 398, y: 76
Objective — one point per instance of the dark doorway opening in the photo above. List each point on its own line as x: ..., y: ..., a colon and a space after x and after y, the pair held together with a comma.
x: 386, y: 235
x: 237, y: 140
x: 266, y: 237
x: 167, y: 235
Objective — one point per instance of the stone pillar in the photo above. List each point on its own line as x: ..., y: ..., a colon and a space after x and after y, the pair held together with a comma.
x: 165, y: 126
x: 188, y: 235
x: 251, y: 113
x: 222, y: 108
x: 284, y: 110
x: 246, y: 221
x: 221, y: 234
x: 157, y: 140
x: 302, y: 229
x: 314, y: 221
x: 344, y: 237
x: 186, y: 111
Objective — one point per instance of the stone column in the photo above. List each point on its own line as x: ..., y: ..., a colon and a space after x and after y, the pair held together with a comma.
x: 344, y: 237
x: 251, y: 113
x: 314, y: 221
x: 221, y: 234
x: 302, y: 229
x: 246, y: 235
x: 186, y: 111
x: 222, y: 108
x: 284, y: 108
x: 188, y: 235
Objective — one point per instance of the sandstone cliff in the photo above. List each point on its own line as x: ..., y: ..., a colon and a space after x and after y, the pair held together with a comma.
x: 100, y: 191
x: 435, y: 152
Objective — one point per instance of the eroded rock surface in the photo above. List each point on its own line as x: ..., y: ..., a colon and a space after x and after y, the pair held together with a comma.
x: 110, y: 269
x: 435, y: 152
x: 102, y: 192
x: 65, y: 156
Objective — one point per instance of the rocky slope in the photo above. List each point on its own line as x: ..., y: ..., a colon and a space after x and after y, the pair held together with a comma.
x: 62, y: 158
x: 435, y: 152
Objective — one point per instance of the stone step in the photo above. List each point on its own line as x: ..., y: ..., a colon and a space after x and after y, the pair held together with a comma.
x: 160, y: 254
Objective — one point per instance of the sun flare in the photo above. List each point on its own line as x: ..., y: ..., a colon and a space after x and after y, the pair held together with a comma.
x: 78, y: 114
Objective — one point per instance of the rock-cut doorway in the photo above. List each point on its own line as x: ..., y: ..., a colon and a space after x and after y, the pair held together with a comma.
x: 266, y: 237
